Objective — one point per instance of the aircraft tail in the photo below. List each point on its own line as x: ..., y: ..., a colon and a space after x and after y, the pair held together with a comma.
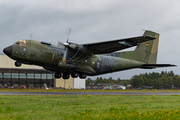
x: 145, y: 52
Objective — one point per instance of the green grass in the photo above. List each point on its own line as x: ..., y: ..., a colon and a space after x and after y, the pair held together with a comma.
x: 89, y: 107
x: 77, y: 90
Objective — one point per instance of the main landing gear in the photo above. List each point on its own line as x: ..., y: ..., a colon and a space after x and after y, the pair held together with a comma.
x: 57, y: 75
x: 64, y: 76
x: 82, y: 75
x: 73, y: 75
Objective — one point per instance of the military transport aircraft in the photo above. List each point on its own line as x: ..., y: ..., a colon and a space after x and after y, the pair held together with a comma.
x: 88, y: 59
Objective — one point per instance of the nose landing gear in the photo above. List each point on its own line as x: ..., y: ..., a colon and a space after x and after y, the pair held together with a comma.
x: 18, y: 63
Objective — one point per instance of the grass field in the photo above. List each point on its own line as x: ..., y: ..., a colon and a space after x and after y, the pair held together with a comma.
x: 89, y: 107
x: 62, y: 90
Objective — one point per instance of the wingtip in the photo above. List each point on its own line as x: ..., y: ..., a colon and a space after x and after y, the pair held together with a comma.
x: 173, y: 65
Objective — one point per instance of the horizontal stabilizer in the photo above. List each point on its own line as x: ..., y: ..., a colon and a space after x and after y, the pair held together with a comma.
x: 150, y: 66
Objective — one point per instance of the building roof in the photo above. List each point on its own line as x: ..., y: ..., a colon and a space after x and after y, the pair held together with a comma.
x: 14, y: 70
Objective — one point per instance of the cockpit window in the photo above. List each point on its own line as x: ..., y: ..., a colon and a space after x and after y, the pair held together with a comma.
x: 17, y: 43
x: 21, y: 43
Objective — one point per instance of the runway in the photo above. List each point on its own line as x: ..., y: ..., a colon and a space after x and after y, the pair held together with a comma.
x: 91, y: 93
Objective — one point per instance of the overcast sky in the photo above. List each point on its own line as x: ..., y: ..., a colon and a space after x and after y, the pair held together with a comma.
x: 94, y: 21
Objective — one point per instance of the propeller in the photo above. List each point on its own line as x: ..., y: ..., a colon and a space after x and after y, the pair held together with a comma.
x: 66, y: 47
x: 59, y: 43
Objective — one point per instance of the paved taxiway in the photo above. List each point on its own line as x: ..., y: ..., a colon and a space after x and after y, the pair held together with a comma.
x: 87, y: 93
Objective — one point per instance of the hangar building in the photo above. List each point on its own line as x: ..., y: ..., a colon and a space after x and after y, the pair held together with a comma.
x: 30, y: 76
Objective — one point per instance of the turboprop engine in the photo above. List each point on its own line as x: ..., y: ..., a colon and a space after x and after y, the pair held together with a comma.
x: 74, y: 47
x: 77, y: 49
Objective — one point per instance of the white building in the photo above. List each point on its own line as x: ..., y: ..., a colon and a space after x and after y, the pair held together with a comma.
x: 79, y: 83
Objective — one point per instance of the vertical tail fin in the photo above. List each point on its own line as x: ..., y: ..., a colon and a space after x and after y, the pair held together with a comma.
x: 145, y: 52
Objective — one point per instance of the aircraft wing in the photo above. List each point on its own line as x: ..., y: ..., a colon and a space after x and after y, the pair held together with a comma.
x: 119, y: 44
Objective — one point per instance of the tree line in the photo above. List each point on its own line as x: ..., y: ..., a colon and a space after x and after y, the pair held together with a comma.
x: 156, y: 80
x: 89, y: 81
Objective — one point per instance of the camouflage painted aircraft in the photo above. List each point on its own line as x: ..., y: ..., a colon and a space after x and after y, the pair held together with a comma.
x: 88, y: 59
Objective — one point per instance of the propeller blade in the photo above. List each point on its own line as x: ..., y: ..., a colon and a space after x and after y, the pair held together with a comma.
x: 66, y: 47
x: 68, y: 35
x: 65, y: 55
x: 59, y: 43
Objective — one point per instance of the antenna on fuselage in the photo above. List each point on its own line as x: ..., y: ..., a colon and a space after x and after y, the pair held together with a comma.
x: 31, y: 36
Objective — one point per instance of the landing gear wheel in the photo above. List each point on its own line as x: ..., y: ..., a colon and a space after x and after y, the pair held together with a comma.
x: 82, y: 75
x: 65, y: 76
x: 18, y: 63
x: 57, y: 75
x: 74, y: 75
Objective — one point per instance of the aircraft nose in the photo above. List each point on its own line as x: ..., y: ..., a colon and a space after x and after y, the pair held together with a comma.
x: 8, y: 50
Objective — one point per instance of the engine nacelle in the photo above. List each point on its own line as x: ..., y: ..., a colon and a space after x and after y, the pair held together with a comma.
x: 76, y: 47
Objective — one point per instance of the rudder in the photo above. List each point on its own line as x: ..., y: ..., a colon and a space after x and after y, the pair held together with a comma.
x: 145, y: 52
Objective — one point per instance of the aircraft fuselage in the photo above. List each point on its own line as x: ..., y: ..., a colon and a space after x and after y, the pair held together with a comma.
x: 50, y: 57
x: 88, y: 59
